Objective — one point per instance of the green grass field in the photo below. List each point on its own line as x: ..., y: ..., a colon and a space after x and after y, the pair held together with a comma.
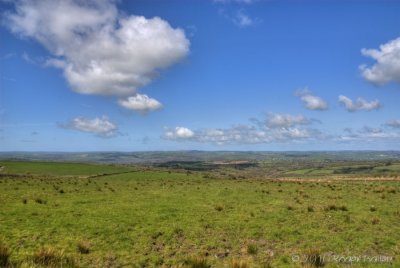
x: 167, y: 219
x: 59, y: 168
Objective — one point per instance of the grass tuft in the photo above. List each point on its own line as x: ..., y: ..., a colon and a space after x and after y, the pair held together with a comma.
x: 333, y: 207
x: 375, y: 221
x: 84, y: 247
x: 197, y: 262
x: 40, y: 201
x: 51, y: 257
x: 219, y: 207
x: 4, y: 255
x: 239, y: 264
x: 252, y: 249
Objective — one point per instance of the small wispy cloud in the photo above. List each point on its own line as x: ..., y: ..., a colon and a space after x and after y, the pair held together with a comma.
x: 7, y: 56
x: 359, y: 104
x: 286, y: 120
x: 236, y: 13
x: 242, y: 19
x: 100, y: 126
x: 368, y: 133
x: 234, y: 1
x: 311, y: 101
x: 395, y: 123
x: 25, y: 56
x: 140, y: 103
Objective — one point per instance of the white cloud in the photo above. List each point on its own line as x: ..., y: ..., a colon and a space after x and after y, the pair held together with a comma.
x: 359, y: 104
x: 101, y: 51
x: 101, y: 127
x: 393, y: 123
x: 286, y: 120
x: 140, y: 103
x: 387, y: 66
x: 311, y: 101
x: 179, y: 133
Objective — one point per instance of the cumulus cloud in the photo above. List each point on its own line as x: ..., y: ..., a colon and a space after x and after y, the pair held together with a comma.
x: 140, y: 103
x: 387, y: 65
x: 103, y: 52
x: 393, y: 123
x: 359, y: 104
x: 179, y: 133
x: 311, y: 101
x: 100, y: 126
x: 276, y: 128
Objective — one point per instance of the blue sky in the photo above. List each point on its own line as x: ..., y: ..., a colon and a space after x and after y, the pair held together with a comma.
x: 207, y: 75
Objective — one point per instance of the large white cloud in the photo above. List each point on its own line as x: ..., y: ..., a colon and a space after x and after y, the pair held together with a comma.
x: 101, y: 51
x: 387, y: 65
x: 140, y: 103
x: 100, y: 126
x: 311, y: 101
x: 359, y: 104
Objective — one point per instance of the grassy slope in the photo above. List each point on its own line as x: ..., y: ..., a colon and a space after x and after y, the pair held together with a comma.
x: 59, y: 168
x: 153, y: 218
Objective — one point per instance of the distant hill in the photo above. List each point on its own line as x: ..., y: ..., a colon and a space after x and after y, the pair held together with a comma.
x: 152, y: 157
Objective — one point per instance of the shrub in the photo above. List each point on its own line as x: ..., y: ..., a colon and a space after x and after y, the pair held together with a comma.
x: 239, y: 264
x: 310, y: 208
x: 84, y: 247
x: 252, y: 249
x: 4, y: 255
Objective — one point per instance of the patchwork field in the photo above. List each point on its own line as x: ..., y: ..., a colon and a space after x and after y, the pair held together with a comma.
x: 76, y: 215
